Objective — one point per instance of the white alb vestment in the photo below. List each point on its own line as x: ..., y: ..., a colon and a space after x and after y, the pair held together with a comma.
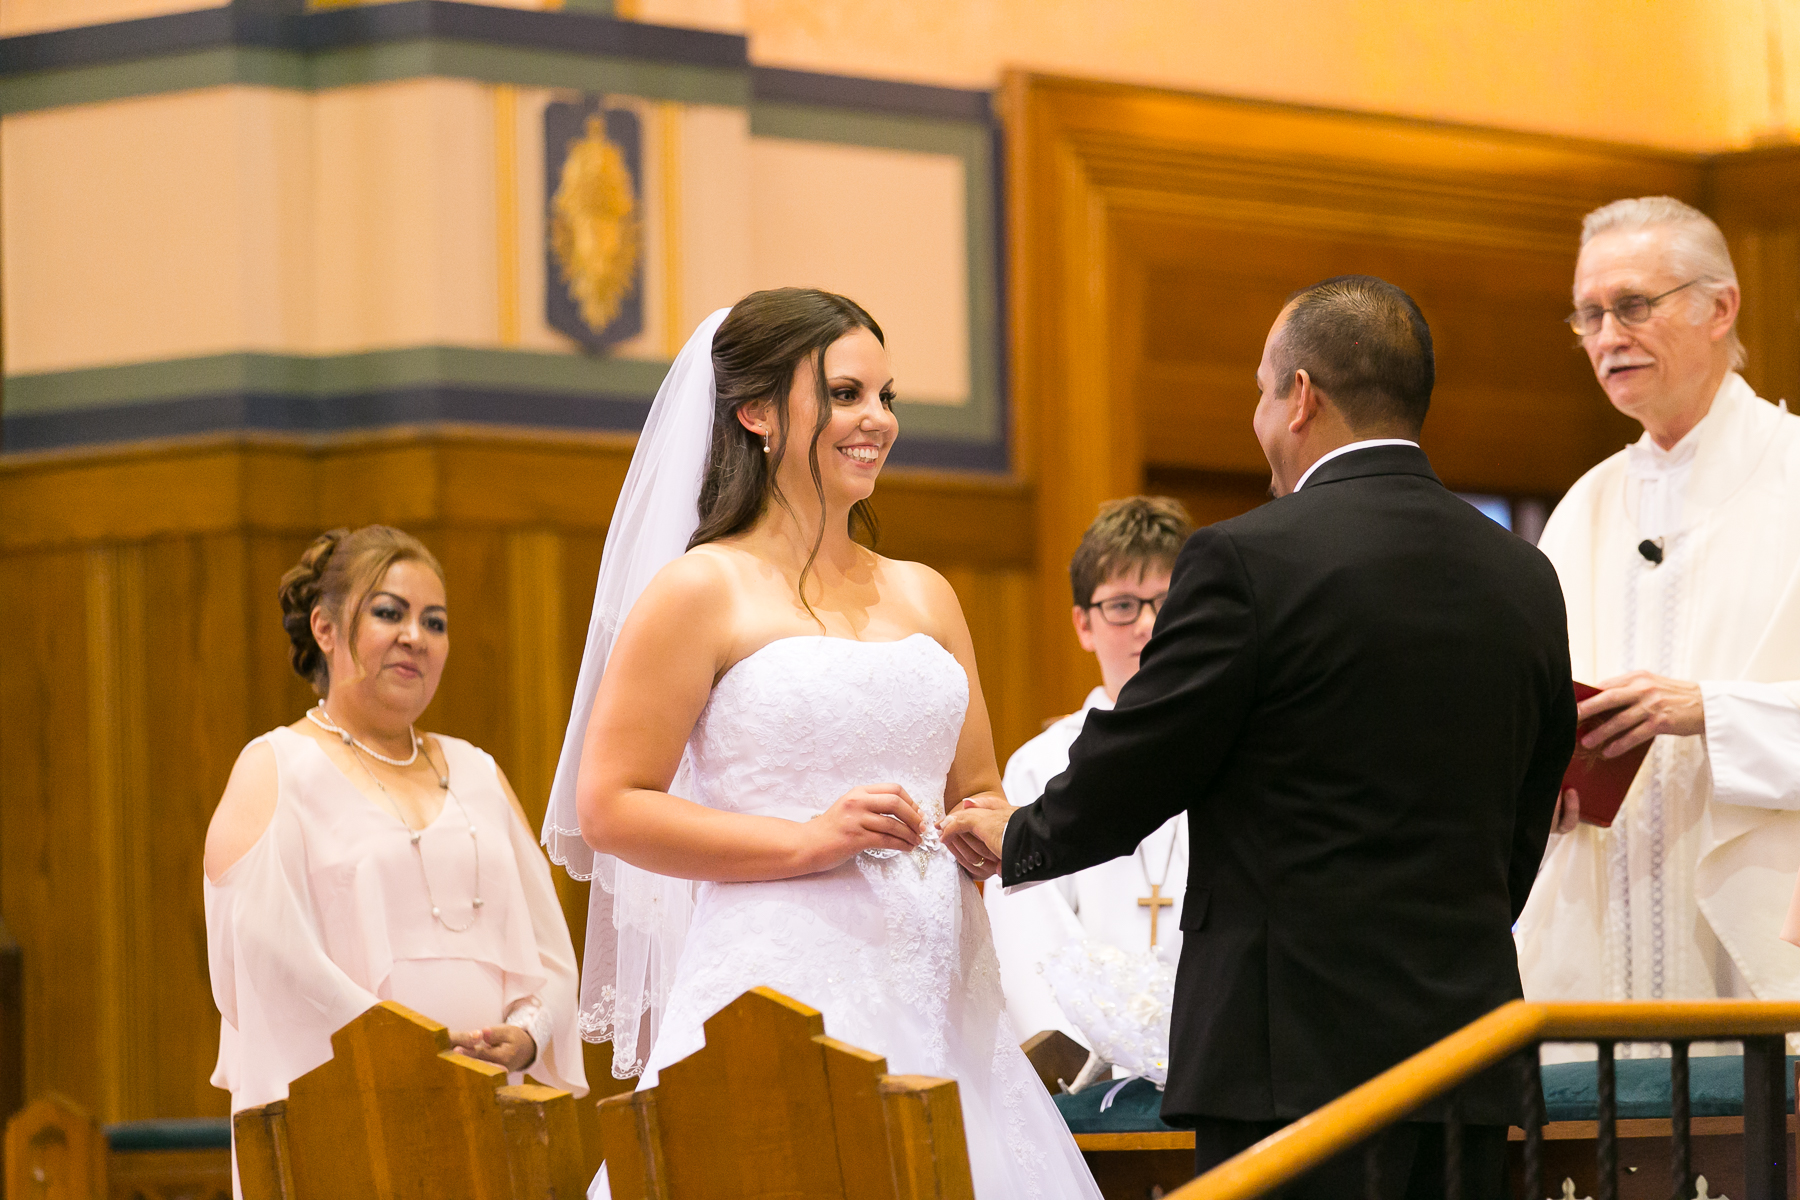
x: 1684, y: 896
x: 1100, y: 903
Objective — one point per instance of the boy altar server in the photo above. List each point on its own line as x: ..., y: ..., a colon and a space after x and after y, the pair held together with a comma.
x: 1119, y: 577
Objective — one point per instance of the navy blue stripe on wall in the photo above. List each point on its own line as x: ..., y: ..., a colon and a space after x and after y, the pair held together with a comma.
x: 270, y: 413
x: 335, y: 29
x: 873, y: 95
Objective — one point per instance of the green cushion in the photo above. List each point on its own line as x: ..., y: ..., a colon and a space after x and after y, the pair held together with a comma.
x: 1715, y: 1088
x: 1136, y: 1109
x: 194, y: 1133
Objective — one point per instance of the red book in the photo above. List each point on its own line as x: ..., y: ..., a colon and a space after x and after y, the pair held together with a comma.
x: 1600, y: 782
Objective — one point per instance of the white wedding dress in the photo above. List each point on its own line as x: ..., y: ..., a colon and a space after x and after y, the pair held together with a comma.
x: 894, y: 952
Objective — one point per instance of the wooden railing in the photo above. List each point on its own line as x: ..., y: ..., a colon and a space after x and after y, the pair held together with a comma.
x: 1521, y: 1026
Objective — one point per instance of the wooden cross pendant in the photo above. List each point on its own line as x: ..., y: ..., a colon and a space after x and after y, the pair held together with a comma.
x: 1154, y: 901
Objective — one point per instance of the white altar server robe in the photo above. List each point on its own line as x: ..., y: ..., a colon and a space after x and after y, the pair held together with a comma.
x: 1683, y: 898
x: 1101, y: 903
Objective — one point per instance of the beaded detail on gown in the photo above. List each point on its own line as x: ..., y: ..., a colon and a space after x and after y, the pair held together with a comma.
x: 894, y: 952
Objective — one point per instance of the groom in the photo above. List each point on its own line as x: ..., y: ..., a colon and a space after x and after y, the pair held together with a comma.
x: 1360, y: 695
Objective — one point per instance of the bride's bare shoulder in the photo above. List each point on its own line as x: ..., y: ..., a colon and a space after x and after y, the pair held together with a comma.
x: 698, y: 578
x: 921, y: 586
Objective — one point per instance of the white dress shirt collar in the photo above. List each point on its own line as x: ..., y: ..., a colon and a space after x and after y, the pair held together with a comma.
x: 1363, y: 445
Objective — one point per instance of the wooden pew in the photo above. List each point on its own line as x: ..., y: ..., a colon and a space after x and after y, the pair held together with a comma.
x: 396, y: 1115
x: 772, y: 1107
x: 1126, y: 1166
x: 55, y: 1150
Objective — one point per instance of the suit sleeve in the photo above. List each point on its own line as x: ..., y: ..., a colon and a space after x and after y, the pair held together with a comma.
x: 1154, y: 753
x: 1536, y: 806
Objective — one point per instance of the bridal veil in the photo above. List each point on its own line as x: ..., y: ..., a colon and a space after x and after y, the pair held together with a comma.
x: 637, y: 920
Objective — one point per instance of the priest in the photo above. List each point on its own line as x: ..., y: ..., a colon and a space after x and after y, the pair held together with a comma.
x: 1119, y: 577
x: 1679, y: 559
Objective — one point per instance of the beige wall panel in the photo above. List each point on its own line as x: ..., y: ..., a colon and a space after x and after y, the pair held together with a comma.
x: 127, y: 228
x: 38, y: 16
x: 714, y: 253
x: 276, y: 182
x: 724, y: 15
x: 404, y: 224
x: 886, y: 228
x: 1688, y: 74
x: 528, y: 134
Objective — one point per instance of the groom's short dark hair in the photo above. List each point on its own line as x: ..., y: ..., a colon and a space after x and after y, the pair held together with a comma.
x: 1366, y: 346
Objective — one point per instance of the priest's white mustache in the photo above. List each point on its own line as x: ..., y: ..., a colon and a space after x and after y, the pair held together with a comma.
x: 1609, y: 364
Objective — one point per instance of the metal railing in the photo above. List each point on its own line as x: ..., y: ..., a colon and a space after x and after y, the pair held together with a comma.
x: 1392, y: 1096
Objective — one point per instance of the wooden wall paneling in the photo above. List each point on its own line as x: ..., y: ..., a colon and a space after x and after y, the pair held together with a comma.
x: 580, y: 562
x: 1156, y: 234
x: 999, y: 608
x: 116, y: 741
x: 48, y: 885
x: 275, y: 696
x: 476, y: 685
x: 142, y: 645
x: 1752, y: 196
x: 1075, y: 447
x: 1209, y: 495
x: 569, y: 483
x: 540, y: 694
x: 543, y: 685
x: 1516, y: 409
x: 196, y: 722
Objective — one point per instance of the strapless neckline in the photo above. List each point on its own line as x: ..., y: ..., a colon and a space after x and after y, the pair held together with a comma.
x: 827, y: 637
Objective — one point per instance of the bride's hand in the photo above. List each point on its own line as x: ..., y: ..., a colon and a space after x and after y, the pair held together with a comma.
x: 876, y: 816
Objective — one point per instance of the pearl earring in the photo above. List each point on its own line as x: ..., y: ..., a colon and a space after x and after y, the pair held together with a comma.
x: 765, y: 442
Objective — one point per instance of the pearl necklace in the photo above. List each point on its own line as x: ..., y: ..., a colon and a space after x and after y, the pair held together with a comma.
x: 318, y: 716
x: 414, y: 835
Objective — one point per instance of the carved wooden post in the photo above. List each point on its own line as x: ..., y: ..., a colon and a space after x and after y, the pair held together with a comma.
x: 55, y: 1150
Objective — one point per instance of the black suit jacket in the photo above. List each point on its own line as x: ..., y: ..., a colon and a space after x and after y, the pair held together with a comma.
x: 1360, y: 693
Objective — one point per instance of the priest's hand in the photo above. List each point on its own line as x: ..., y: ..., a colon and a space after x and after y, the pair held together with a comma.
x: 507, y: 1045
x: 1647, y: 705
x: 975, y: 831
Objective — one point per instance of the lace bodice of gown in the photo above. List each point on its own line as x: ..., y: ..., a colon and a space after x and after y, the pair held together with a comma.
x: 786, y: 732
x: 894, y: 952
x: 803, y: 720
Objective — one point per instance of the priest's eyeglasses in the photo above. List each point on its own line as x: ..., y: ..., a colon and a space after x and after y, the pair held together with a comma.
x: 1626, y: 310
x: 1125, y: 610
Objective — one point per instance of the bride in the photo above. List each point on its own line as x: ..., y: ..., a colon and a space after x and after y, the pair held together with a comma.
x: 772, y: 709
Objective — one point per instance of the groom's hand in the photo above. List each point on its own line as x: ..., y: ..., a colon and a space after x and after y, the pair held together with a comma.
x: 975, y: 832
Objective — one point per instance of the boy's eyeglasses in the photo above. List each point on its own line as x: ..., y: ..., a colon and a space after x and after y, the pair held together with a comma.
x: 1125, y: 610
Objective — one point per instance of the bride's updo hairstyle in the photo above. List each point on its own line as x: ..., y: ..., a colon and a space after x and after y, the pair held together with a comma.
x: 337, y: 573
x: 755, y: 352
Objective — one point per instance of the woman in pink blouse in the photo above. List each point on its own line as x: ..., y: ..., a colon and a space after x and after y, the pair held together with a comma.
x: 353, y: 860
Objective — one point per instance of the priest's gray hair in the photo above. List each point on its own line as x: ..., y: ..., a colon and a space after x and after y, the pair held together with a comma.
x: 1697, y: 248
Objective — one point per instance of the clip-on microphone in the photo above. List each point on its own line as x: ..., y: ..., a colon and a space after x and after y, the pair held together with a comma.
x: 1652, y: 549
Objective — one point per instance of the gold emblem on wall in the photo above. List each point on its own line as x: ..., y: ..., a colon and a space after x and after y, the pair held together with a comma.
x: 595, y: 227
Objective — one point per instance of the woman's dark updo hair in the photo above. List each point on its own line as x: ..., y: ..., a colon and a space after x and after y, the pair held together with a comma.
x: 337, y: 573
x: 755, y: 353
